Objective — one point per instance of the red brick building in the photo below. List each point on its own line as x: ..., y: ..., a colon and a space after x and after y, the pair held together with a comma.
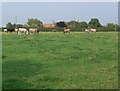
x: 48, y: 25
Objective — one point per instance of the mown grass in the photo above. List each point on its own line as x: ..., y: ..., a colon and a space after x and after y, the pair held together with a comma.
x: 60, y: 61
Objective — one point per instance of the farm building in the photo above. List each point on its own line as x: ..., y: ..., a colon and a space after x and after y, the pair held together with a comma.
x: 58, y: 24
x: 48, y: 25
x: 52, y: 25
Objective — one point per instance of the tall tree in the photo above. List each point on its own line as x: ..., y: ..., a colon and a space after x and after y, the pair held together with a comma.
x: 9, y: 25
x: 61, y: 24
x: 26, y: 26
x: 17, y: 25
x: 35, y: 23
x: 73, y: 24
x: 118, y: 28
x: 83, y: 25
x: 94, y: 23
x: 111, y: 27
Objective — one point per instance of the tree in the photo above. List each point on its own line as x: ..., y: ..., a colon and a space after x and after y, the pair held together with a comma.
x: 34, y: 23
x: 83, y: 25
x: 77, y: 26
x: 61, y: 24
x: 111, y: 27
x: 18, y: 26
x: 9, y: 25
x: 118, y: 28
x: 103, y: 29
x: 26, y: 26
x: 73, y: 24
x: 94, y: 23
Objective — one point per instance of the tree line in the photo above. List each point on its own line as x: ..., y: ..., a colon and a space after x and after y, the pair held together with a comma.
x: 73, y: 25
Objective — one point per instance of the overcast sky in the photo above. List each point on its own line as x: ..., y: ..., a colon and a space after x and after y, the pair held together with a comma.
x: 58, y: 11
x: 60, y: 0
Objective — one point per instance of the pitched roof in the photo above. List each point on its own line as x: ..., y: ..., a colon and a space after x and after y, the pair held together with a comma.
x: 48, y: 25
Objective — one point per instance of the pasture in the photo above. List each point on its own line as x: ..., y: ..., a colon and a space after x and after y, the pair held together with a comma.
x: 60, y: 61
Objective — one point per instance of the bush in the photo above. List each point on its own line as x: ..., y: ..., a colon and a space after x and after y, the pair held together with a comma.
x: 51, y: 29
x: 77, y: 29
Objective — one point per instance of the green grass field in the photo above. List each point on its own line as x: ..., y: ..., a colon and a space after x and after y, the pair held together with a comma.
x: 60, y: 61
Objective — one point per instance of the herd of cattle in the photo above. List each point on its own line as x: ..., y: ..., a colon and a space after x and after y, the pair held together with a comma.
x: 20, y: 31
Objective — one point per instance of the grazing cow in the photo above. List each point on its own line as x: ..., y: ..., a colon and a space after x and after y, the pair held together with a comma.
x: 90, y: 30
x: 87, y: 30
x: 93, y: 30
x: 5, y: 30
x: 21, y: 31
x: 10, y: 30
x: 66, y: 30
x: 16, y: 30
x: 33, y: 30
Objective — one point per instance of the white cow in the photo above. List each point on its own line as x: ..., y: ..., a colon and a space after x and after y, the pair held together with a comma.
x: 33, y: 30
x: 87, y: 30
x: 93, y: 30
x: 21, y: 31
x: 16, y: 30
x: 5, y: 30
x: 90, y: 30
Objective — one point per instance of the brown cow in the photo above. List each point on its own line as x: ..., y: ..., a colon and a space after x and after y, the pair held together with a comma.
x: 66, y: 30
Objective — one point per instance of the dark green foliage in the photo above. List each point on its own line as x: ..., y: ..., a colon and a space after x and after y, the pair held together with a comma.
x: 13, y: 26
x: 9, y: 25
x: 73, y: 24
x: 103, y: 29
x: 61, y: 24
x: 77, y: 26
x: 34, y: 23
x: 118, y: 28
x: 19, y: 26
x: 26, y: 26
x: 111, y: 27
x: 76, y: 29
x: 83, y: 25
x: 94, y: 23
